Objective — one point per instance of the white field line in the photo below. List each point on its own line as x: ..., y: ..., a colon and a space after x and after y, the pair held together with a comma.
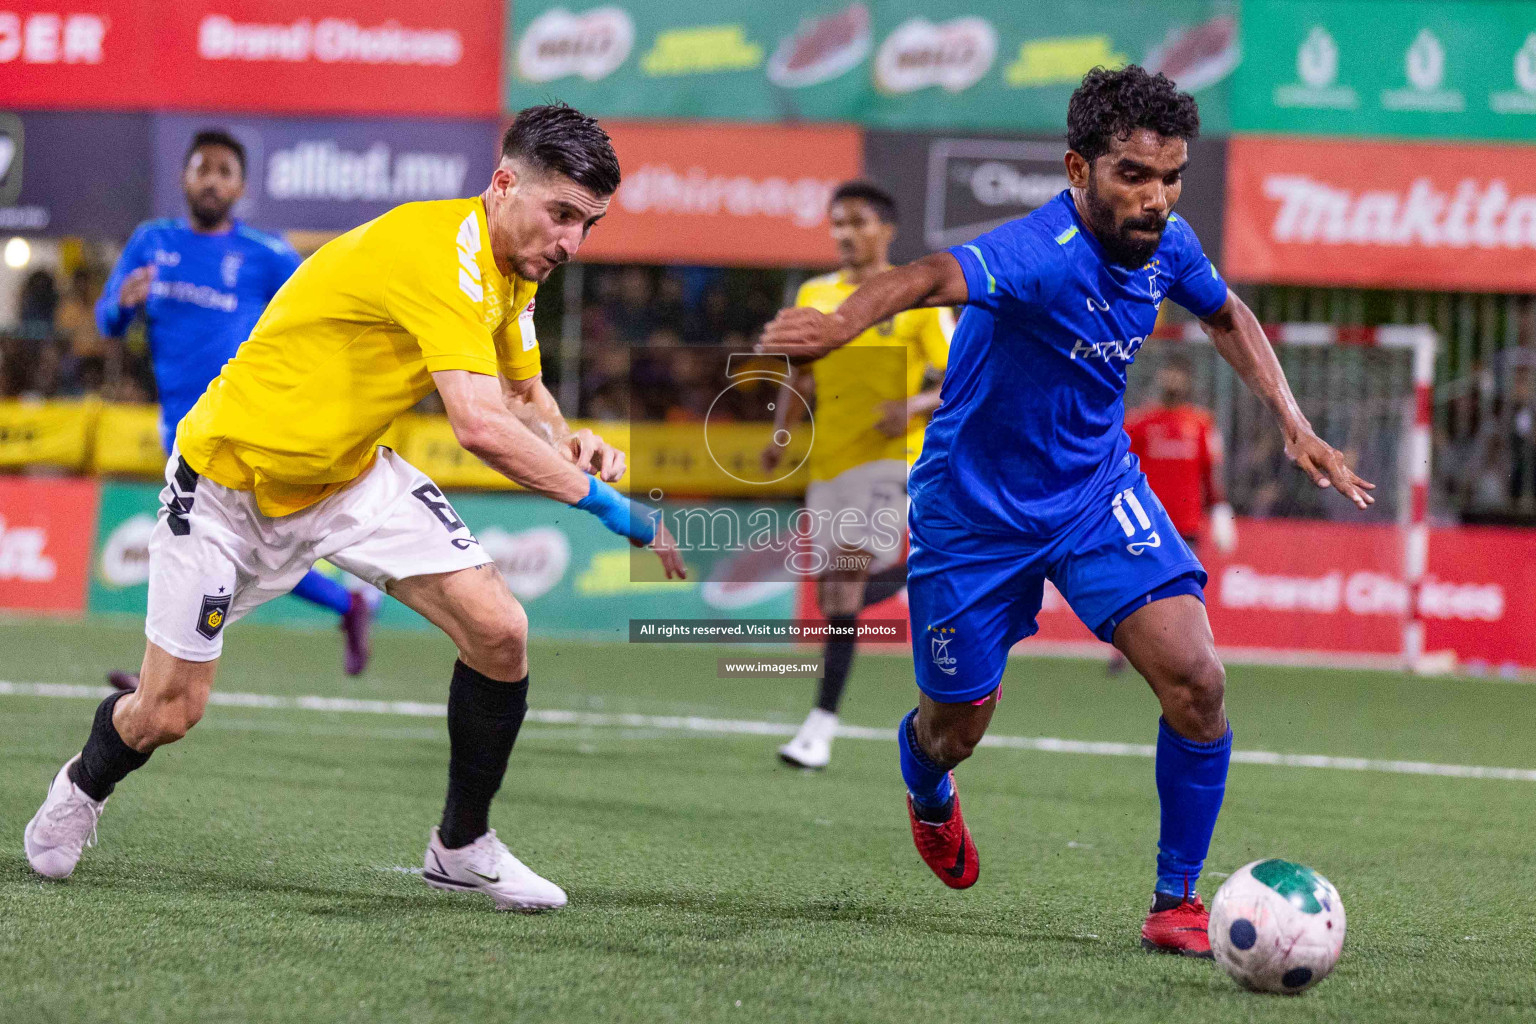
x: 749, y: 727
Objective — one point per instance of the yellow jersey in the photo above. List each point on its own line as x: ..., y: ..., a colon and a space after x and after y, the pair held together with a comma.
x: 349, y: 343
x: 886, y: 363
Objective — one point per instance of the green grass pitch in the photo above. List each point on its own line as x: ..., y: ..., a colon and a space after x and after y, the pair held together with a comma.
x: 258, y: 871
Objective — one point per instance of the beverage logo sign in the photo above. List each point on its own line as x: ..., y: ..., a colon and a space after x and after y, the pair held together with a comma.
x: 701, y: 50
x: 974, y: 185
x: 954, y: 55
x: 1376, y: 213
x: 1198, y: 57
x: 532, y: 561
x: 559, y: 44
x: 1522, y: 100
x: 1424, y: 67
x: 328, y: 41
x: 1317, y: 65
x: 1061, y: 60
x: 822, y: 49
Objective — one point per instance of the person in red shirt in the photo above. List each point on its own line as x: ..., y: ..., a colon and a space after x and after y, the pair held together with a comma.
x: 1180, y: 452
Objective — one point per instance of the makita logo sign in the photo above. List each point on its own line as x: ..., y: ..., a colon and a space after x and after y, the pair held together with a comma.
x: 1475, y: 213
x: 329, y: 41
x: 323, y: 170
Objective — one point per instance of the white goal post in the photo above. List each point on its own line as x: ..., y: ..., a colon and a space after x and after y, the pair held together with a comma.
x: 1367, y: 390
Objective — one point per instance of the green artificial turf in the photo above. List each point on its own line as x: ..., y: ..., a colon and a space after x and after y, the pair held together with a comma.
x: 250, y: 872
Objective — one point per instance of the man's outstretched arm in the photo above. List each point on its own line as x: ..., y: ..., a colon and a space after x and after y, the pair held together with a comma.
x: 1240, y: 339
x: 486, y: 428
x: 806, y: 333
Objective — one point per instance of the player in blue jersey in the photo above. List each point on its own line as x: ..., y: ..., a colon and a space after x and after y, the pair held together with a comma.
x: 1026, y: 474
x: 202, y: 283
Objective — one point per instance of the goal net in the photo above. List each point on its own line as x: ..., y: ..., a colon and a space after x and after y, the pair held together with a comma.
x: 1365, y: 390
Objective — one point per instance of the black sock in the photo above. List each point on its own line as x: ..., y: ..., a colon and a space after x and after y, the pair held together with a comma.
x: 105, y: 760
x: 885, y: 583
x: 484, y: 716
x: 838, y: 660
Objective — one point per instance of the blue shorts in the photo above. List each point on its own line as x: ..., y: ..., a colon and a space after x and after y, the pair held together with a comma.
x: 973, y: 595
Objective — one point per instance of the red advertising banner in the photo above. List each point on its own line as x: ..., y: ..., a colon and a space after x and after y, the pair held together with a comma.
x: 724, y: 194
x: 1301, y: 587
x: 273, y: 56
x: 46, y: 528
x: 1381, y: 214
x: 1317, y: 587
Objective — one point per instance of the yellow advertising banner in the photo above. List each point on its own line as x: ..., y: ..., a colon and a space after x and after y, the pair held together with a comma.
x: 56, y: 433
x: 128, y: 441
x: 678, y: 460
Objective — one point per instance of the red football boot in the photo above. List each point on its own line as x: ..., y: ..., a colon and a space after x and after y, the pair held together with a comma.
x: 1182, y: 929
x: 947, y: 848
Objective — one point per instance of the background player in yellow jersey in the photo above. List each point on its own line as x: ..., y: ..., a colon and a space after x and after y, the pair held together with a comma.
x: 278, y: 466
x: 872, y: 399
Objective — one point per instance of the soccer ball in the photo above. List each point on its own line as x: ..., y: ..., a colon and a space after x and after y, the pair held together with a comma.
x: 1277, y: 927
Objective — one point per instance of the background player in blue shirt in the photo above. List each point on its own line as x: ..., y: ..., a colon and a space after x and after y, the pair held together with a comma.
x: 1026, y: 473
x: 202, y: 283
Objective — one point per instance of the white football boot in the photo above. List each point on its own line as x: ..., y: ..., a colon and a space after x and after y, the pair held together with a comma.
x: 812, y: 745
x: 486, y: 865
x: 63, y: 827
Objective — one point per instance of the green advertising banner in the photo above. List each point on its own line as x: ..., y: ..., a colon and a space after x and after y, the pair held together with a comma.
x: 572, y: 575
x: 1001, y: 65
x: 1388, y: 68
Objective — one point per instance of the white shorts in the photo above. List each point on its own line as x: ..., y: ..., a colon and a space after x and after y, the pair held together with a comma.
x: 213, y: 556
x: 861, y: 509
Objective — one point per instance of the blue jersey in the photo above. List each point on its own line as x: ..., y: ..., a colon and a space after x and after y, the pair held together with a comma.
x: 207, y: 293
x: 1031, y: 429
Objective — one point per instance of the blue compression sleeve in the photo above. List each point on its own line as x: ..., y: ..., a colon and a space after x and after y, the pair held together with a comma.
x: 324, y: 591
x: 618, y: 513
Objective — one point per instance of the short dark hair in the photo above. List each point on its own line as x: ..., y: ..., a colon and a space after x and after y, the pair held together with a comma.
x: 216, y: 137
x: 559, y: 138
x: 873, y: 193
x: 1113, y: 104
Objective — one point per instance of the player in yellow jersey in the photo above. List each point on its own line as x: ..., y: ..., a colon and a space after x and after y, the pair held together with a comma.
x: 872, y: 401
x: 278, y: 466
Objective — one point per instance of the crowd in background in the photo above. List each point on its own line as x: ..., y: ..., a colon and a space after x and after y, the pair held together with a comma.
x: 53, y: 349
x: 652, y: 344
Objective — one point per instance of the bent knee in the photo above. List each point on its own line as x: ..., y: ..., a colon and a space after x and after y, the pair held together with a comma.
x: 498, y: 645
x: 1195, y: 697
x: 953, y: 743
x: 160, y: 722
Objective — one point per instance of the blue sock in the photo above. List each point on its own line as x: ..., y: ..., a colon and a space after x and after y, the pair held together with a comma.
x: 324, y: 591
x: 1191, y: 780
x: 930, y: 786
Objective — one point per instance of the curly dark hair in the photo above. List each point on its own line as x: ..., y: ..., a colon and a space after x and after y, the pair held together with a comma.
x: 559, y: 138
x: 1113, y: 104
